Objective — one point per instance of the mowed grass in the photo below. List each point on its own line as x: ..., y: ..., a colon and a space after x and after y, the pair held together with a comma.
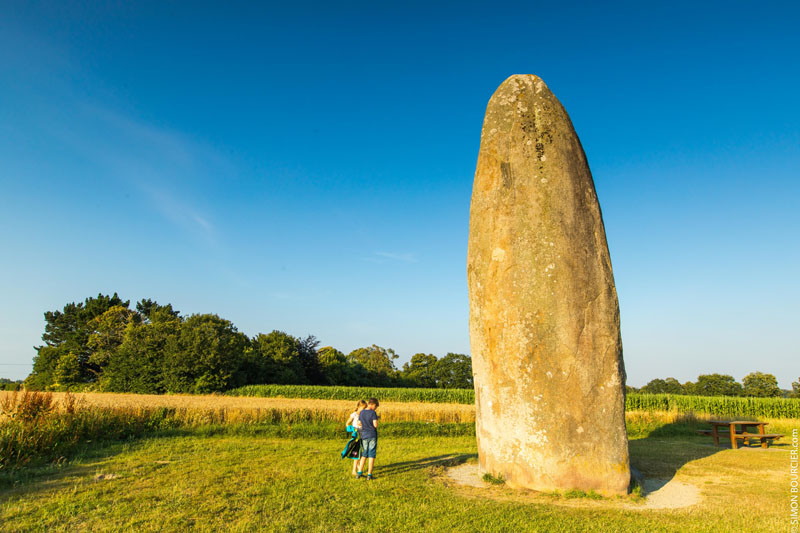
x: 247, y: 483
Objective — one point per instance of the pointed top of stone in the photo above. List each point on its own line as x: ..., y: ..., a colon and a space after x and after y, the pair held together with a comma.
x: 527, y: 79
x: 521, y: 98
x: 518, y: 83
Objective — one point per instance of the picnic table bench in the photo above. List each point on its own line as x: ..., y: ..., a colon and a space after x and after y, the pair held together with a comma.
x: 743, y: 435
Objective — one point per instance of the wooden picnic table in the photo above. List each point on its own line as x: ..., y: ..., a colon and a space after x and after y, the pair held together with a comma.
x: 743, y: 434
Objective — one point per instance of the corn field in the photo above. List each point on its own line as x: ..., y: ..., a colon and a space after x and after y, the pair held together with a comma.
x: 385, y: 394
x: 723, y: 406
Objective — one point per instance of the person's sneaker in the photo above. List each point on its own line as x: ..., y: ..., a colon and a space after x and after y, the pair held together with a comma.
x: 359, y: 475
x: 369, y: 477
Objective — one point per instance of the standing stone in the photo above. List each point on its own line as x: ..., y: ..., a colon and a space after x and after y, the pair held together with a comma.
x: 544, y: 318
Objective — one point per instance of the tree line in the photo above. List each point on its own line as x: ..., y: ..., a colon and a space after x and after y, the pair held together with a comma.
x: 104, y: 344
x: 754, y: 384
x: 10, y: 384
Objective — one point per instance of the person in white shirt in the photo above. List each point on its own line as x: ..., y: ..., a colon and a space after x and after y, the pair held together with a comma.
x: 353, y: 425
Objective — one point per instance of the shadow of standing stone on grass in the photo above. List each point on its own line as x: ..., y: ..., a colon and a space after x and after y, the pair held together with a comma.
x: 668, y: 448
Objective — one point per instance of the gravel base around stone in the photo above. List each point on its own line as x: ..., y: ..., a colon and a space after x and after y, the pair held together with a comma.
x: 658, y: 493
x: 668, y: 494
x: 468, y: 475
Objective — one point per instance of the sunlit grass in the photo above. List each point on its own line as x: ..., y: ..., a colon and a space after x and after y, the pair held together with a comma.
x: 245, y: 483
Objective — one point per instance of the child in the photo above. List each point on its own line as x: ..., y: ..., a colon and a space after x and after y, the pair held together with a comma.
x: 353, y: 425
x: 369, y: 437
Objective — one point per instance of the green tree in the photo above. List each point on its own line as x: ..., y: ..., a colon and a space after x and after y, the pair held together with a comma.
x: 152, y: 310
x: 654, y: 386
x: 44, y: 367
x: 761, y: 385
x: 421, y: 370
x: 454, y: 371
x: 378, y: 363
x: 334, y: 366
x: 68, y: 371
x: 207, y: 357
x: 795, y: 389
x: 67, y: 332
x: 275, y: 358
x: 663, y: 386
x: 717, y: 385
x: 673, y: 386
x: 138, y: 364
x: 309, y: 359
x: 10, y: 384
x: 108, y: 331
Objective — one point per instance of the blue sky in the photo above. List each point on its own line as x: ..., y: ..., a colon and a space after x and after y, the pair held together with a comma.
x: 308, y: 166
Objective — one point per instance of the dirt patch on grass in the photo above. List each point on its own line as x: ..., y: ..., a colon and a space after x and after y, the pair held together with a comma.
x: 105, y: 477
x: 657, y: 493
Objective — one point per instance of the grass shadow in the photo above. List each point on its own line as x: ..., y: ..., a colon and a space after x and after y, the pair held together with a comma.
x: 426, y: 462
x: 666, y: 449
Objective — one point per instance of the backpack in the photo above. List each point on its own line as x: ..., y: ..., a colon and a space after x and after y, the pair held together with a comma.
x: 352, y: 449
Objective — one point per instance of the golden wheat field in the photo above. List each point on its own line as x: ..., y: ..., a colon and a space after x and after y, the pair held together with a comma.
x: 216, y: 409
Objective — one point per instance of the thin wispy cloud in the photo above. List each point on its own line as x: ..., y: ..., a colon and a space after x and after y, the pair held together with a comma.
x: 203, y: 222
x: 164, y: 166
x: 167, y: 168
x: 177, y: 211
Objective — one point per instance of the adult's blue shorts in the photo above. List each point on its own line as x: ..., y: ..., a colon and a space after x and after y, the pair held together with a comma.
x: 369, y: 447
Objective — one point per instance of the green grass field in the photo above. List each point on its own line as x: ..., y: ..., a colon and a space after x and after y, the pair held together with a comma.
x: 70, y: 464
x: 256, y: 483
